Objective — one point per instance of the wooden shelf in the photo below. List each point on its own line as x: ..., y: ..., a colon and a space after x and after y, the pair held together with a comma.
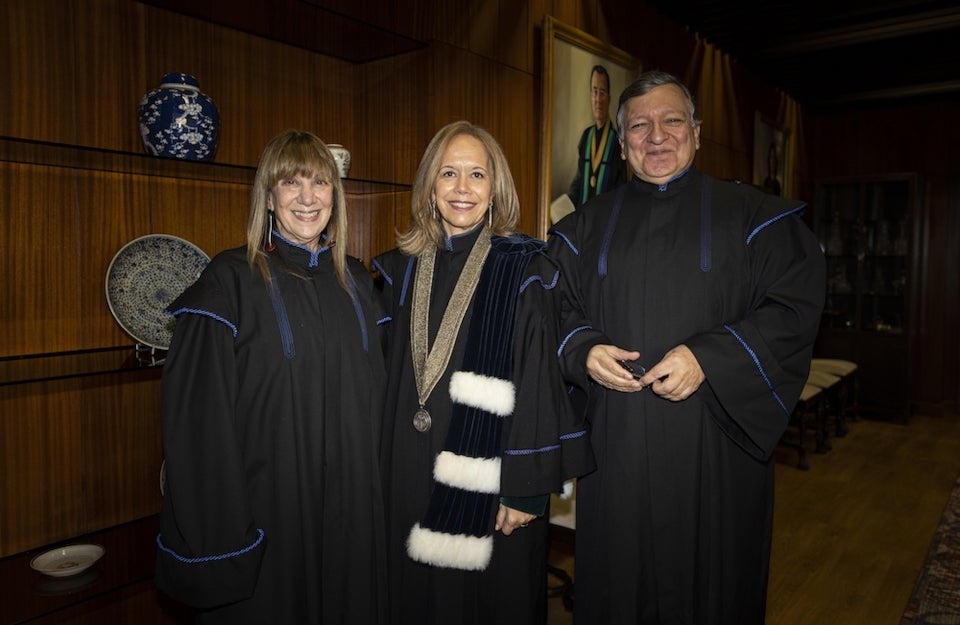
x: 95, y: 159
x: 62, y: 365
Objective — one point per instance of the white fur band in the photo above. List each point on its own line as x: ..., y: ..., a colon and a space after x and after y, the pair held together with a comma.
x: 481, y: 475
x: 484, y: 392
x: 457, y: 551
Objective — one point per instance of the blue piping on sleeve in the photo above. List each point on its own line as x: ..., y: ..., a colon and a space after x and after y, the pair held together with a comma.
x: 756, y: 361
x: 222, y: 556
x: 538, y: 278
x: 772, y: 220
x: 566, y: 240
x: 540, y: 450
x: 567, y: 338
x: 204, y: 313
x: 530, y: 452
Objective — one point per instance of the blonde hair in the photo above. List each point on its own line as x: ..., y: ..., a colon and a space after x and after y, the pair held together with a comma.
x: 295, y: 153
x: 426, y: 232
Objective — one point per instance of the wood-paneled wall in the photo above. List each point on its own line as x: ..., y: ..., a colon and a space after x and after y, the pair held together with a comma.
x: 80, y: 454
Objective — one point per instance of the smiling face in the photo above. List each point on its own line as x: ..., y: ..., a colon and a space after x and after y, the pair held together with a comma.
x: 302, y: 207
x: 463, y: 188
x: 659, y: 136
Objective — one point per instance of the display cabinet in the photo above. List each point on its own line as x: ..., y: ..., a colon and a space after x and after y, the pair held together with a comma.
x: 867, y: 231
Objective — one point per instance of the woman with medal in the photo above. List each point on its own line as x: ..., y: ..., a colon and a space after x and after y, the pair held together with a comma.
x: 479, y: 429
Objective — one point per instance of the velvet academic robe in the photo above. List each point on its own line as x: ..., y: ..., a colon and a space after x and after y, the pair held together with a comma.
x: 512, y: 588
x: 272, y: 409
x: 675, y: 524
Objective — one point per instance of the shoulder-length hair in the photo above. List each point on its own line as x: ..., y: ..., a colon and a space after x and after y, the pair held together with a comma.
x: 426, y: 232
x: 295, y: 153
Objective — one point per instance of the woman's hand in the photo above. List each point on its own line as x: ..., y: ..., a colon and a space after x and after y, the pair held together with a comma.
x: 509, y: 519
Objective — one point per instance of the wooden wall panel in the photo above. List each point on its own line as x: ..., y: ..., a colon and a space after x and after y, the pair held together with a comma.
x: 38, y: 225
x: 211, y: 215
x: 121, y: 444
x: 39, y: 69
x: 391, y: 141
x: 41, y: 487
x: 110, y: 56
x: 109, y: 214
x: 373, y: 223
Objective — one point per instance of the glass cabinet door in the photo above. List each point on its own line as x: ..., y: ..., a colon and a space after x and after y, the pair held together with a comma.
x: 865, y: 229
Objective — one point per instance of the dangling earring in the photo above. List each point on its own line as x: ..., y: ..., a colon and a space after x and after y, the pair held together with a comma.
x: 433, y: 206
x: 270, y: 246
x: 490, y: 215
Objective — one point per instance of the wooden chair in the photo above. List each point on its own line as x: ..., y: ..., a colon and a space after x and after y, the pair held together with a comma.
x: 849, y: 391
x: 829, y: 384
x: 563, y: 531
x: 809, y: 404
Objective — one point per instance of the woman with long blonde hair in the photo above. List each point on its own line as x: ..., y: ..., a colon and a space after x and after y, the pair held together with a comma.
x: 272, y: 401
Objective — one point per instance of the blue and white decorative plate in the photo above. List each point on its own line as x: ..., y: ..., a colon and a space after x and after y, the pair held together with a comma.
x: 144, y: 277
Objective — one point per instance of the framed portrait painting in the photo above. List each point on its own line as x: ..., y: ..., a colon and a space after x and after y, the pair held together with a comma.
x: 569, y: 58
x: 770, y: 155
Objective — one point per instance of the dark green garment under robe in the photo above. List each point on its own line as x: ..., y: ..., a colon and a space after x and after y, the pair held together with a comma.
x: 675, y: 525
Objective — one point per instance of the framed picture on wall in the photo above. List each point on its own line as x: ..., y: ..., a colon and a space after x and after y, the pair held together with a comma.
x: 569, y: 58
x: 770, y: 155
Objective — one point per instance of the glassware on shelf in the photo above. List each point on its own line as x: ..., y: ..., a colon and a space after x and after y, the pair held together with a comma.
x: 835, y: 240
x: 878, y: 281
x: 900, y: 244
x: 838, y: 281
x: 882, y: 243
x: 900, y: 282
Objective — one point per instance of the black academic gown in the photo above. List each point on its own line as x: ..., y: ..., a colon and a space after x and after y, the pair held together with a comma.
x: 675, y: 524
x: 273, y: 507
x: 512, y: 589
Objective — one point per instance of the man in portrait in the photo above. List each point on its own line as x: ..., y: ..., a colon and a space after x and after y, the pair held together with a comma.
x: 600, y: 166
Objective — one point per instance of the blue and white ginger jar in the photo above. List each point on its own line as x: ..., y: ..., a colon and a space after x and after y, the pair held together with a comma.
x: 177, y: 120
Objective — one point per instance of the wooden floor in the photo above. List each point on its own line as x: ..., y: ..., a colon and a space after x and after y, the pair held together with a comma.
x: 850, y: 534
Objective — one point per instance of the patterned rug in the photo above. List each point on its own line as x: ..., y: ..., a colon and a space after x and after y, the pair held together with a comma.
x: 936, y: 597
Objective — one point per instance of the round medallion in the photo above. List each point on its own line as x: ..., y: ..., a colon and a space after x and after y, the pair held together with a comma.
x: 593, y: 181
x: 421, y: 420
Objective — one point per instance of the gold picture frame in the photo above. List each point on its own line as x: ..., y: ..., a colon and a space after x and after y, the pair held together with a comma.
x: 569, y: 54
